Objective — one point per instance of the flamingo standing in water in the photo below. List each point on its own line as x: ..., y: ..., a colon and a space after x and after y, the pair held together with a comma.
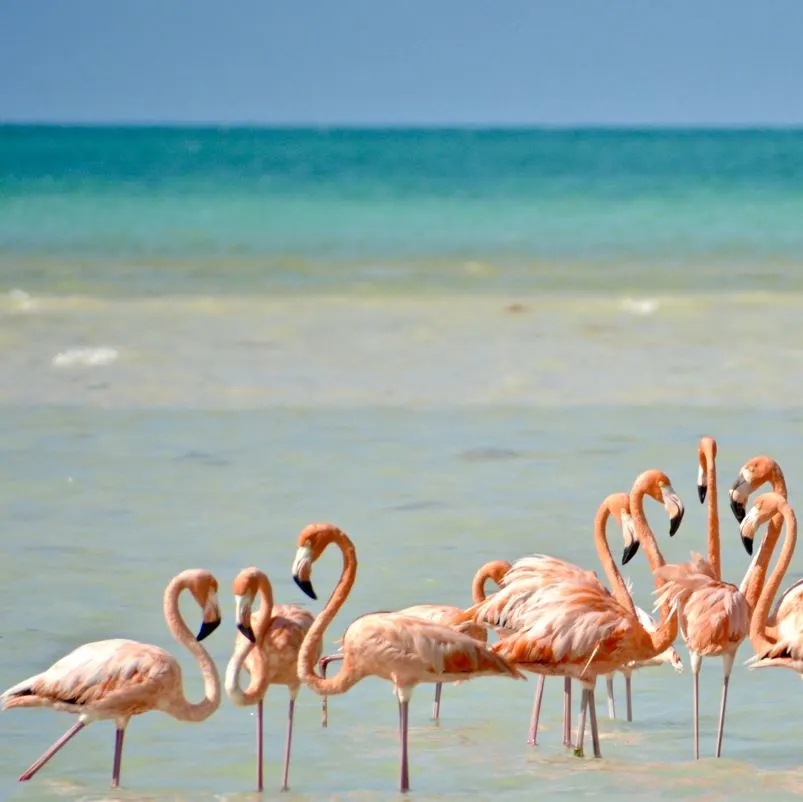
x: 117, y: 679
x: 444, y: 614
x: 714, y: 615
x: 576, y: 627
x: 268, y: 646
x: 399, y: 648
x: 781, y: 645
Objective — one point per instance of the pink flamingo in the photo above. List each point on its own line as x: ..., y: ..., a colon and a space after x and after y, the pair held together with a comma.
x: 444, y: 614
x: 399, y: 648
x: 714, y: 615
x: 576, y: 627
x: 268, y: 650
x: 117, y: 679
x: 780, y: 645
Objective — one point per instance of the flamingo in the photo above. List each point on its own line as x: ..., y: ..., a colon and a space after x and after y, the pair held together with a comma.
x: 399, y: 648
x: 268, y: 648
x: 714, y: 615
x: 783, y: 647
x: 576, y: 627
x: 117, y: 679
x: 444, y: 614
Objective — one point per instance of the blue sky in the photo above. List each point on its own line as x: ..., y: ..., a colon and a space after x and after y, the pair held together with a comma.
x: 440, y: 62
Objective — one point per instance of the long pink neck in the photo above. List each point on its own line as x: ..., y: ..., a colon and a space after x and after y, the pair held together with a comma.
x: 494, y: 570
x: 180, y: 707
x: 756, y: 573
x: 758, y: 624
x: 259, y: 669
x: 714, y: 556
x: 310, y: 647
x: 615, y: 580
x: 667, y: 630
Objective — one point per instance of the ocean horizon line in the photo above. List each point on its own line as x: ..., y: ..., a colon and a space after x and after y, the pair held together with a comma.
x: 347, y: 127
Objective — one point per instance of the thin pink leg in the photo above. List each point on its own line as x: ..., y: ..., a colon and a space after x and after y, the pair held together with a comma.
x: 288, y: 744
x: 405, y: 770
x: 539, y: 696
x: 727, y: 667
x: 592, y: 711
x: 611, y: 700
x: 581, y: 723
x: 71, y: 733
x: 696, y: 662
x: 567, y: 711
x: 436, y: 708
x: 323, y: 663
x: 629, y: 698
x: 260, y: 783
x: 118, y: 757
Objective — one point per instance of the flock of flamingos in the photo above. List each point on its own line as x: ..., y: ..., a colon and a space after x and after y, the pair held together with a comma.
x: 552, y: 618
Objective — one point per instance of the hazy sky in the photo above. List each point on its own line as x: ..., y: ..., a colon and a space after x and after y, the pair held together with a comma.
x: 403, y: 62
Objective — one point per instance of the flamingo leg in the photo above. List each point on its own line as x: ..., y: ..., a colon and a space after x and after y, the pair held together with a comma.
x: 581, y: 723
x: 539, y: 696
x: 289, y: 741
x: 436, y: 707
x: 727, y: 667
x: 592, y: 710
x: 567, y: 711
x: 629, y: 698
x: 696, y: 664
x: 69, y: 735
x: 611, y: 700
x: 323, y: 663
x: 259, y: 746
x: 118, y: 756
x: 404, y: 701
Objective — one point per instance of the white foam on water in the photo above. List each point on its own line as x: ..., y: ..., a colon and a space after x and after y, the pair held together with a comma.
x: 85, y: 357
x: 21, y: 301
x: 639, y: 306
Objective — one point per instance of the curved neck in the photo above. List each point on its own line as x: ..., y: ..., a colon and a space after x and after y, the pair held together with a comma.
x: 758, y: 624
x: 713, y: 511
x: 667, y: 630
x: 492, y: 570
x: 182, y: 709
x: 259, y: 668
x: 307, y: 655
x: 756, y: 573
x: 620, y: 591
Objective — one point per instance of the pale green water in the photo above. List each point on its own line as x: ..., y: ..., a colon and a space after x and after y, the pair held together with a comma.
x: 210, y: 339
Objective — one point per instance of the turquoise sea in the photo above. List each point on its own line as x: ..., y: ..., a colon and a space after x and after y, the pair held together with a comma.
x: 451, y: 343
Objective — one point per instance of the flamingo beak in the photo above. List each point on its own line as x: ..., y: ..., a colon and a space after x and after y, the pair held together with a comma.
x: 212, y: 617
x: 302, y: 571
x: 631, y: 541
x: 739, y: 493
x: 674, y: 508
x: 748, y: 529
x: 702, y: 484
x: 243, y: 619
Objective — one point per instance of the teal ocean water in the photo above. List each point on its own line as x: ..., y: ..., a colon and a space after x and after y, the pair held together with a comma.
x: 453, y: 344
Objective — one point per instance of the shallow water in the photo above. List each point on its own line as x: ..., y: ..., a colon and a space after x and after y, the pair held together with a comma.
x: 208, y: 340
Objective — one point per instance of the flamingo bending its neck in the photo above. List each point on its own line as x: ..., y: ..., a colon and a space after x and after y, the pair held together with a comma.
x: 117, y: 679
x: 399, y: 648
x: 268, y: 647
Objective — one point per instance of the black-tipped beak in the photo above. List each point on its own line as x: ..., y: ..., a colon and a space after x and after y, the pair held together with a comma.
x: 702, y: 491
x: 738, y: 510
x: 207, y: 628
x: 248, y: 632
x: 629, y: 552
x: 674, y: 523
x: 748, y: 544
x: 306, y: 586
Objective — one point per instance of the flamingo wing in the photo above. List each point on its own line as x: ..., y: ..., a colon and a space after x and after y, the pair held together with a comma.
x: 104, y: 675
x: 546, y: 568
x: 408, y: 650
